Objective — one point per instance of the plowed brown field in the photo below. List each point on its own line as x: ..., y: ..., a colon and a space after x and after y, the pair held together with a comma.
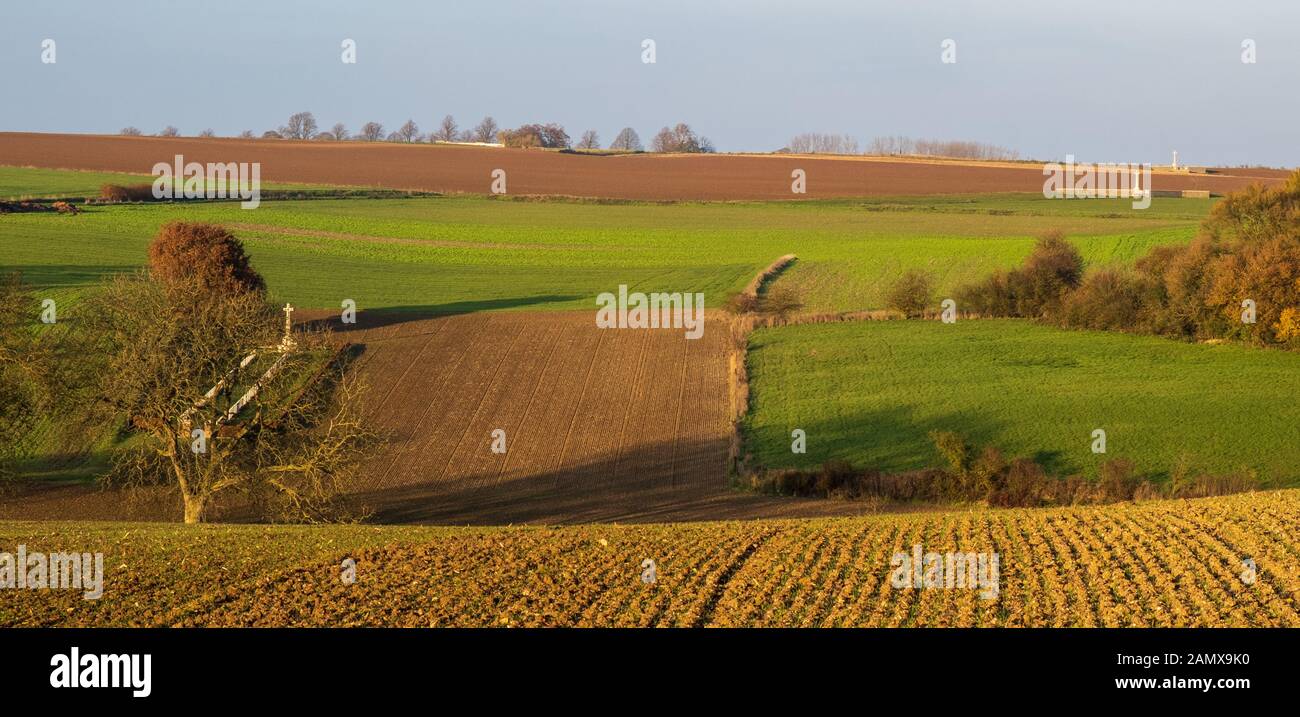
x: 449, y: 168
x: 601, y: 425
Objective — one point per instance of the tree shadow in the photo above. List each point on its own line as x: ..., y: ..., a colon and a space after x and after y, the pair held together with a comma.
x: 60, y: 276
x: 316, y: 319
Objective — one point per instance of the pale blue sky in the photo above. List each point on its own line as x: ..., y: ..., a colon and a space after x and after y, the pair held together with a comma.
x: 1104, y: 80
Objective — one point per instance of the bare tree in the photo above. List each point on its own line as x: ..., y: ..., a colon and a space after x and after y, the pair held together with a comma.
x: 130, y: 132
x: 486, y: 131
x: 627, y: 140
x: 169, y: 131
x: 302, y: 125
x: 246, y: 134
x: 409, y: 132
x: 590, y: 140
x: 220, y: 400
x: 446, y: 131
x: 680, y: 138
x: 940, y: 148
x: 340, y: 131
x: 207, y: 133
x: 372, y: 131
x: 823, y: 143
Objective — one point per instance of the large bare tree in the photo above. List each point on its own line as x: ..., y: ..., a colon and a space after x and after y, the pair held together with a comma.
x: 627, y: 140
x: 178, y: 368
x: 680, y: 138
x: 302, y: 125
x: 486, y: 131
x: 409, y: 132
x: 447, y: 131
x: 590, y: 140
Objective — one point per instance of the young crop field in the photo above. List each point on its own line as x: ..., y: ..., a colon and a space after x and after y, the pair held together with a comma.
x: 870, y: 392
x: 457, y: 254
x: 34, y: 182
x: 1169, y: 563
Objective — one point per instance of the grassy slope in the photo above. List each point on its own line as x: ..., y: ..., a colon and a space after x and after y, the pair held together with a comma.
x: 870, y: 392
x: 33, y: 182
x: 458, y: 254
x: 771, y: 573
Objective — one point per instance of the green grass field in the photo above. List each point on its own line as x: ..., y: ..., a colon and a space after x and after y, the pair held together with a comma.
x: 870, y: 392
x: 452, y: 254
x: 35, y: 183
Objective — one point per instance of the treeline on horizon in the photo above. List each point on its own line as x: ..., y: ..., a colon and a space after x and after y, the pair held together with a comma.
x: 680, y: 138
x: 302, y: 126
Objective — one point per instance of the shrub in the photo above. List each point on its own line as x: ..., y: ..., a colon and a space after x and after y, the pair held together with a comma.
x: 780, y: 301
x: 910, y: 293
x: 121, y: 193
x: 834, y: 477
x: 986, y: 473
x: 208, y: 253
x: 1107, y: 299
x: 1034, y: 290
x: 1021, y: 485
x: 551, y: 136
x: 1267, y: 271
x: 1052, y: 268
x: 1117, y: 480
x: 991, y: 297
x: 741, y: 303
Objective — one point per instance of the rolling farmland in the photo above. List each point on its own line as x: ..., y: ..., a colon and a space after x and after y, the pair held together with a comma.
x: 449, y: 255
x: 600, y: 425
x: 1169, y: 563
x: 870, y: 392
x: 451, y: 168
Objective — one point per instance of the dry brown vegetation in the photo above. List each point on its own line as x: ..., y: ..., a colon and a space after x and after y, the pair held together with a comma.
x: 123, y: 193
x: 1248, y: 249
x: 208, y: 254
x: 1166, y: 563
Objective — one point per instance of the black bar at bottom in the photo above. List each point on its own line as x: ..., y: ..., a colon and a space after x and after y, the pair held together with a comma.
x: 238, y: 667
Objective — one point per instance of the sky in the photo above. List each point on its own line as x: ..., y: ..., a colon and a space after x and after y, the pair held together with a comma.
x: 1103, y: 80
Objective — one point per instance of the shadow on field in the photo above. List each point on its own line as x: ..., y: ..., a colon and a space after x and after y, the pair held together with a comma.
x: 390, y: 315
x: 639, y: 485
x: 56, y: 276
x: 895, y: 439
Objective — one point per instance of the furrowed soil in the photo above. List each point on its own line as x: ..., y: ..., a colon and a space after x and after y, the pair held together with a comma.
x: 599, y: 425
x: 1168, y: 563
x: 451, y: 168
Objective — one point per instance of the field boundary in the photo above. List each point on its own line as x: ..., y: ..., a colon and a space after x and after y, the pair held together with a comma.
x: 740, y: 327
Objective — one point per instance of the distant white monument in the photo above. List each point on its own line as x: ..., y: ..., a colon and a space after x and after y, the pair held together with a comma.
x: 1175, y: 164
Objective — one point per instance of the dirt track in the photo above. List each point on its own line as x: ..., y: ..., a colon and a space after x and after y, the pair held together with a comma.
x: 445, y: 168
